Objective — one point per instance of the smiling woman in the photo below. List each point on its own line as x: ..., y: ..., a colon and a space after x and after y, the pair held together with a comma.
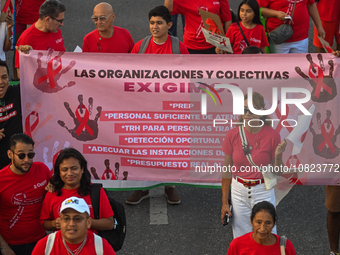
x: 261, y: 240
x: 72, y: 178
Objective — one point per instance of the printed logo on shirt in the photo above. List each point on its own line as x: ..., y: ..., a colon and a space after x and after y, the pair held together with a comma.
x: 59, y: 41
x: 216, y: 3
x: 41, y: 184
x: 12, y: 114
x: 255, y: 40
x: 8, y: 107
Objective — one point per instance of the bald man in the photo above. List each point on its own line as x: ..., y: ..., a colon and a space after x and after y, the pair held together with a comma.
x: 107, y: 38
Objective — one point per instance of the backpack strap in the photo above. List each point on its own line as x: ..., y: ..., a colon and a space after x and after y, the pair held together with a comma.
x: 245, y: 147
x: 95, y: 198
x: 144, y: 44
x: 283, y: 241
x: 98, y: 244
x: 175, y: 45
x: 50, y: 243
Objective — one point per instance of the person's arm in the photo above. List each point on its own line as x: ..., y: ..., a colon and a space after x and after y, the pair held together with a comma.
x: 226, y: 182
x: 277, y: 161
x: 269, y: 13
x: 314, y: 14
x: 25, y: 49
x: 263, y: 49
x: 52, y: 225
x: 4, y: 247
x: 169, y: 4
x: 103, y: 224
x: 8, y: 41
x: 226, y: 26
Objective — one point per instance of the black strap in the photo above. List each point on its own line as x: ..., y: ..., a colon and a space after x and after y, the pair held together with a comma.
x: 244, y: 37
x: 95, y: 198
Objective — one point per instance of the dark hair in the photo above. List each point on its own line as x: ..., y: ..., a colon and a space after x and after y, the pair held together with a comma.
x: 20, y: 138
x: 256, y: 9
x: 51, y: 8
x: 264, y: 206
x: 252, y: 50
x: 3, y: 63
x: 258, y: 102
x: 160, y: 11
x: 85, y: 181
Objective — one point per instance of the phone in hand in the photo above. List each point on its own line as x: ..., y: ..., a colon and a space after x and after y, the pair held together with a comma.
x: 226, y: 217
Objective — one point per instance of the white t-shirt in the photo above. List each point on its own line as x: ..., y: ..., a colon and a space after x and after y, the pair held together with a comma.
x: 3, y: 35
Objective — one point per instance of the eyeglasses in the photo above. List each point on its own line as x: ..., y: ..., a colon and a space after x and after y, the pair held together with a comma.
x: 22, y: 155
x: 59, y: 20
x: 101, y: 18
x: 76, y: 219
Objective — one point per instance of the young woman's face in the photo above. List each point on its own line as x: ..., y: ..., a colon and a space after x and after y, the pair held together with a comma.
x: 262, y: 224
x: 246, y: 14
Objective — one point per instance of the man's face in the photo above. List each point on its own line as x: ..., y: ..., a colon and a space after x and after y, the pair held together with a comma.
x: 74, y: 225
x: 103, y: 18
x: 4, y: 81
x: 22, y: 165
x: 53, y: 24
x: 158, y: 26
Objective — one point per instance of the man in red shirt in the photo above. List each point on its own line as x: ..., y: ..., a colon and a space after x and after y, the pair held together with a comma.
x: 74, y: 236
x: 45, y: 34
x: 22, y: 190
x: 159, y: 43
x: 26, y: 13
x: 107, y: 38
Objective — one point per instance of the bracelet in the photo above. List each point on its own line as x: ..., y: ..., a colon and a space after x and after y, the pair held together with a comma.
x: 4, y: 247
x: 10, y: 38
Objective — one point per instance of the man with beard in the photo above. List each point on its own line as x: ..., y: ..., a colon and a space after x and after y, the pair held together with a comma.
x: 22, y: 190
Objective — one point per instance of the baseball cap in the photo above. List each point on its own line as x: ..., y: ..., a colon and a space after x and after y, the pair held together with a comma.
x: 75, y: 203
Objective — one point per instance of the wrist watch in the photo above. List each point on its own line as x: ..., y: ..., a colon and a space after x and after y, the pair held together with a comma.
x: 10, y: 38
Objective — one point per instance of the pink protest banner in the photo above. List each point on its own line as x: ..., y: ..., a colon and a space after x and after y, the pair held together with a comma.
x: 144, y: 118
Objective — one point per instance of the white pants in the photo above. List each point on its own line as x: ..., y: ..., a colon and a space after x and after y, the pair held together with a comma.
x: 243, y: 199
x: 290, y: 47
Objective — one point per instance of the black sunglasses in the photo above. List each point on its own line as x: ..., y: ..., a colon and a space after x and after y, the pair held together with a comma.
x: 59, y: 20
x: 22, y: 155
x: 247, y: 110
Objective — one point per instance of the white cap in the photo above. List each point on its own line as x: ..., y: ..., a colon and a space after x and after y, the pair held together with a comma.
x: 75, y: 203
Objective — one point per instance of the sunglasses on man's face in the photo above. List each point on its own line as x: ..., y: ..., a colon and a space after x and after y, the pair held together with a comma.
x: 247, y: 110
x: 22, y: 155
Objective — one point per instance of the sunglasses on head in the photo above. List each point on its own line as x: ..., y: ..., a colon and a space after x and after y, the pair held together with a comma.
x: 22, y: 155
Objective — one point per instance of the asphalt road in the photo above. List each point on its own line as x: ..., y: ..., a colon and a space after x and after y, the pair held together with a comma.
x: 194, y: 226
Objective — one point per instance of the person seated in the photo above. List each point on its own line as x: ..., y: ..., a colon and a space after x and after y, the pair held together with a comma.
x: 261, y: 240
x: 72, y: 178
x: 74, y: 236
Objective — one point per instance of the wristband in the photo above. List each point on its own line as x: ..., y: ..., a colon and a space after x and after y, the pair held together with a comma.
x: 4, y: 247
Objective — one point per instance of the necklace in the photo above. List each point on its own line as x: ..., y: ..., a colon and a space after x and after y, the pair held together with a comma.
x: 249, y: 146
x: 158, y: 43
x: 76, y: 251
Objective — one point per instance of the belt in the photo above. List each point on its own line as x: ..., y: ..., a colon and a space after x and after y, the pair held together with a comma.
x: 248, y: 183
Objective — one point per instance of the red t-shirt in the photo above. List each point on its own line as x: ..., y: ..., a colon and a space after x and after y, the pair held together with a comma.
x: 120, y: 42
x: 59, y: 247
x: 300, y: 22
x: 263, y: 145
x: 111, y: 175
x: 40, y: 41
x: 154, y: 48
x: 256, y: 37
x: 21, y: 199
x: 329, y: 10
x: 27, y: 11
x: 245, y: 245
x: 51, y: 206
x: 193, y: 37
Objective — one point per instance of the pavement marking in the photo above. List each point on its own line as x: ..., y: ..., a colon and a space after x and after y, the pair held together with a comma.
x: 158, y: 207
